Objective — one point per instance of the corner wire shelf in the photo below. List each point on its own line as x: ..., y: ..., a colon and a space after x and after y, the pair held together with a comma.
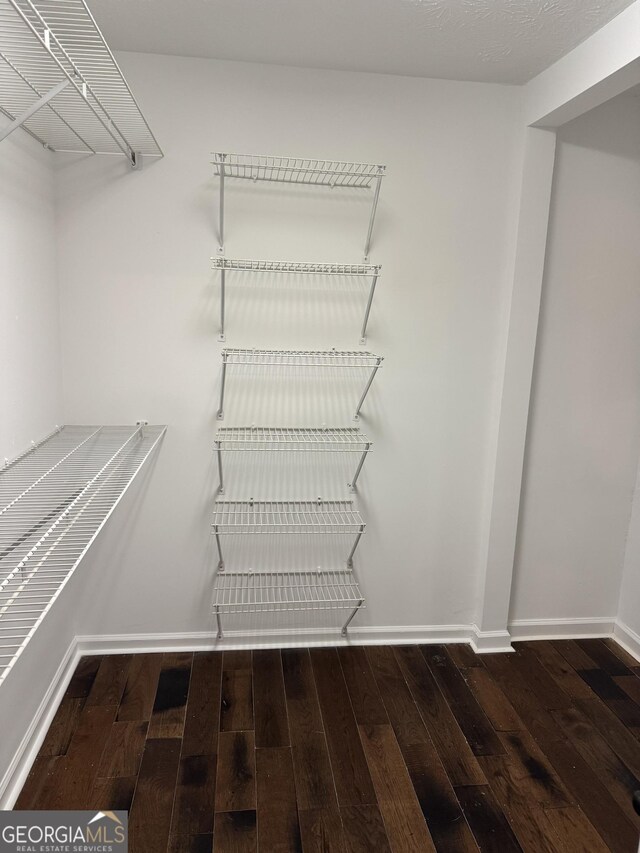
x: 256, y: 592
x: 227, y: 264
x: 292, y: 439
x: 286, y: 517
x: 61, y: 83
x: 299, y: 358
x: 298, y: 170
x: 54, y: 500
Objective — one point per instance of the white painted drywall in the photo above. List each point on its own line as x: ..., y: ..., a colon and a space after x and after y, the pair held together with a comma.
x: 584, y: 426
x: 494, y: 588
x: 30, y: 384
x: 629, y: 603
x: 139, y: 319
x: 602, y: 67
x: 30, y: 388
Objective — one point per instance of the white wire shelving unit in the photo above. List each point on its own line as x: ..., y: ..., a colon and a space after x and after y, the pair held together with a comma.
x: 54, y: 500
x: 299, y: 358
x: 251, y: 517
x: 258, y: 592
x: 225, y: 265
x: 60, y: 82
x: 291, y: 439
x: 298, y: 170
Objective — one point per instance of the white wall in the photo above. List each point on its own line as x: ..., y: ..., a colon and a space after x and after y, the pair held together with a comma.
x: 30, y: 387
x: 139, y: 315
x: 629, y: 603
x: 584, y: 425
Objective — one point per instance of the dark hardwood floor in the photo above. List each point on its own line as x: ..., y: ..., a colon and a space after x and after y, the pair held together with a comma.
x: 358, y: 750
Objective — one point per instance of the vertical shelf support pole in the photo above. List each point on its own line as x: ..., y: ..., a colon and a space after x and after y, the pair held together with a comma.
x: 366, y: 390
x: 219, y: 545
x: 222, y: 303
x: 376, y: 195
x: 343, y: 632
x: 352, y: 484
x: 220, y: 475
x: 222, y: 384
x: 221, y: 214
x: 353, y: 550
x: 374, y: 281
x: 219, y: 622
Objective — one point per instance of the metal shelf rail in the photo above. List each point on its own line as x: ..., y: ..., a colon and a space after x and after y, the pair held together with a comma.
x: 292, y: 439
x: 288, y: 517
x: 298, y: 358
x: 61, y: 83
x: 297, y: 170
x: 54, y: 500
x: 227, y: 264
x: 255, y: 592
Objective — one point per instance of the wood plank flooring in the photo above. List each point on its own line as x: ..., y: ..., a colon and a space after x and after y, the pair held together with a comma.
x: 402, y: 749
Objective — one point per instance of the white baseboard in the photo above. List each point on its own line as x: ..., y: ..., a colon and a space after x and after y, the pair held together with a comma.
x: 481, y: 641
x: 561, y: 629
x: 272, y: 639
x: 627, y: 638
x: 18, y: 770
x: 488, y: 642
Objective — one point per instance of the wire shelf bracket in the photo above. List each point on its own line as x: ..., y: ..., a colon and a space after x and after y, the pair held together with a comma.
x: 228, y: 264
x: 299, y: 358
x: 256, y: 592
x: 54, y: 501
x: 286, y: 517
x: 296, y: 170
x: 33, y: 109
x: 60, y: 82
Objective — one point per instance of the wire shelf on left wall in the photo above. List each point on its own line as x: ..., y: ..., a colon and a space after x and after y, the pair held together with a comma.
x: 60, y: 82
x: 54, y: 500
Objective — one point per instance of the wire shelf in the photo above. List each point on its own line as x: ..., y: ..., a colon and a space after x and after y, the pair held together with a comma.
x: 225, y: 265
x: 53, y: 52
x: 265, y: 517
x: 253, y: 592
x: 280, y: 439
x: 300, y: 358
x: 301, y: 268
x: 292, y: 439
x: 54, y: 500
x: 296, y: 170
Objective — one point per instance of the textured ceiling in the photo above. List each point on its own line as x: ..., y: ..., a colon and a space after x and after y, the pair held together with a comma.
x: 507, y: 41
